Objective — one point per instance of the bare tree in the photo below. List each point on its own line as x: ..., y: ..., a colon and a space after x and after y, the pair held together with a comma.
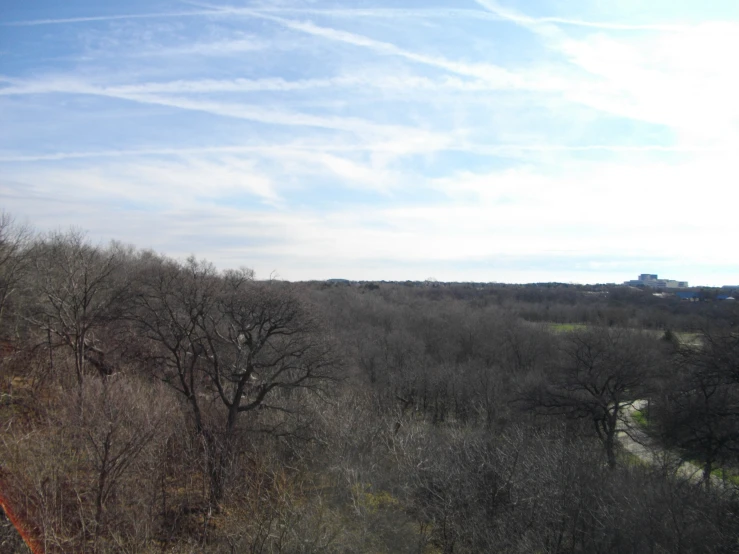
x: 251, y: 346
x: 76, y: 288
x: 599, y: 372
x: 117, y: 420
x: 264, y: 341
x: 14, y: 243
x: 699, y: 410
x: 170, y: 301
x: 264, y: 346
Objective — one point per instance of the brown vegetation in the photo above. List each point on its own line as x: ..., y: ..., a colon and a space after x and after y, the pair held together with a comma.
x: 154, y: 405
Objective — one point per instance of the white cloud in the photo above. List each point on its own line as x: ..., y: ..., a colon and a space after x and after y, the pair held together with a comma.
x: 217, y: 48
x: 678, y: 79
x: 252, y: 112
x: 154, y: 184
x: 579, y: 142
x: 503, y: 213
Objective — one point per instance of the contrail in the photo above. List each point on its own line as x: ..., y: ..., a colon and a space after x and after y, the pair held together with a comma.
x: 105, y: 18
x: 528, y: 21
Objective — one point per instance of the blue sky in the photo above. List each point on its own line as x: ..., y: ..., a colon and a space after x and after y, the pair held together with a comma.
x: 470, y: 140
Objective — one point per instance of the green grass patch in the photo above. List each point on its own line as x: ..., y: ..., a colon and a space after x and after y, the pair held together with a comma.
x: 640, y: 417
x: 373, y: 501
x: 732, y: 476
x: 628, y: 459
x: 566, y: 327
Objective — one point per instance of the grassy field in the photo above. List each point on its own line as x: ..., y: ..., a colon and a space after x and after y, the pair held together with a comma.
x: 567, y: 327
x: 684, y: 337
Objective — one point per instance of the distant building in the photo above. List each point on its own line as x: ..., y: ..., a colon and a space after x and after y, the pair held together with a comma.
x: 653, y: 281
x: 339, y: 281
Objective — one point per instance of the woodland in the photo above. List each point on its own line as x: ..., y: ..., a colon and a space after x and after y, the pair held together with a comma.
x: 150, y: 404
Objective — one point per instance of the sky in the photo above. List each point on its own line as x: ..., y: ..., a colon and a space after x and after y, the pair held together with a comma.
x: 577, y: 141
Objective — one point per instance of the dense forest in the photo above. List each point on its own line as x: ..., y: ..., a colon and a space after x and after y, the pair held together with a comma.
x: 149, y: 404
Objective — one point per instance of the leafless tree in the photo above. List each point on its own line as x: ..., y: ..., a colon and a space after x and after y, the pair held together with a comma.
x: 599, y: 372
x: 264, y: 341
x: 117, y: 421
x: 75, y: 289
x: 14, y: 243
x: 248, y: 345
x: 698, y: 412
x: 170, y: 301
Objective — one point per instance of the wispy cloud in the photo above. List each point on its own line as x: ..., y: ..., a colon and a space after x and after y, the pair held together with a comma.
x: 378, y: 142
x: 493, y: 12
x: 91, y: 19
x: 517, y: 17
x: 366, y: 80
x: 217, y: 48
x: 490, y: 73
x: 257, y: 113
x: 201, y: 86
x: 307, y: 151
x: 665, y: 78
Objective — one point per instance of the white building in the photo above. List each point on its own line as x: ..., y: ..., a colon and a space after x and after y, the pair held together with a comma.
x: 653, y: 280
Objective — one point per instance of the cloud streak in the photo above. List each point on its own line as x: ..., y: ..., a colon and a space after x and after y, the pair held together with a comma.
x: 92, y: 19
x: 277, y: 150
x: 493, y: 12
x: 256, y: 113
x: 511, y: 15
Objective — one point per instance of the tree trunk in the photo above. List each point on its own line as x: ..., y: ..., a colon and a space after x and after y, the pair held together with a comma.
x: 610, y: 446
x: 707, y: 470
x: 221, y: 456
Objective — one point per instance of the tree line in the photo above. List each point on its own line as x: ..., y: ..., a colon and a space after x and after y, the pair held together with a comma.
x: 159, y: 405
